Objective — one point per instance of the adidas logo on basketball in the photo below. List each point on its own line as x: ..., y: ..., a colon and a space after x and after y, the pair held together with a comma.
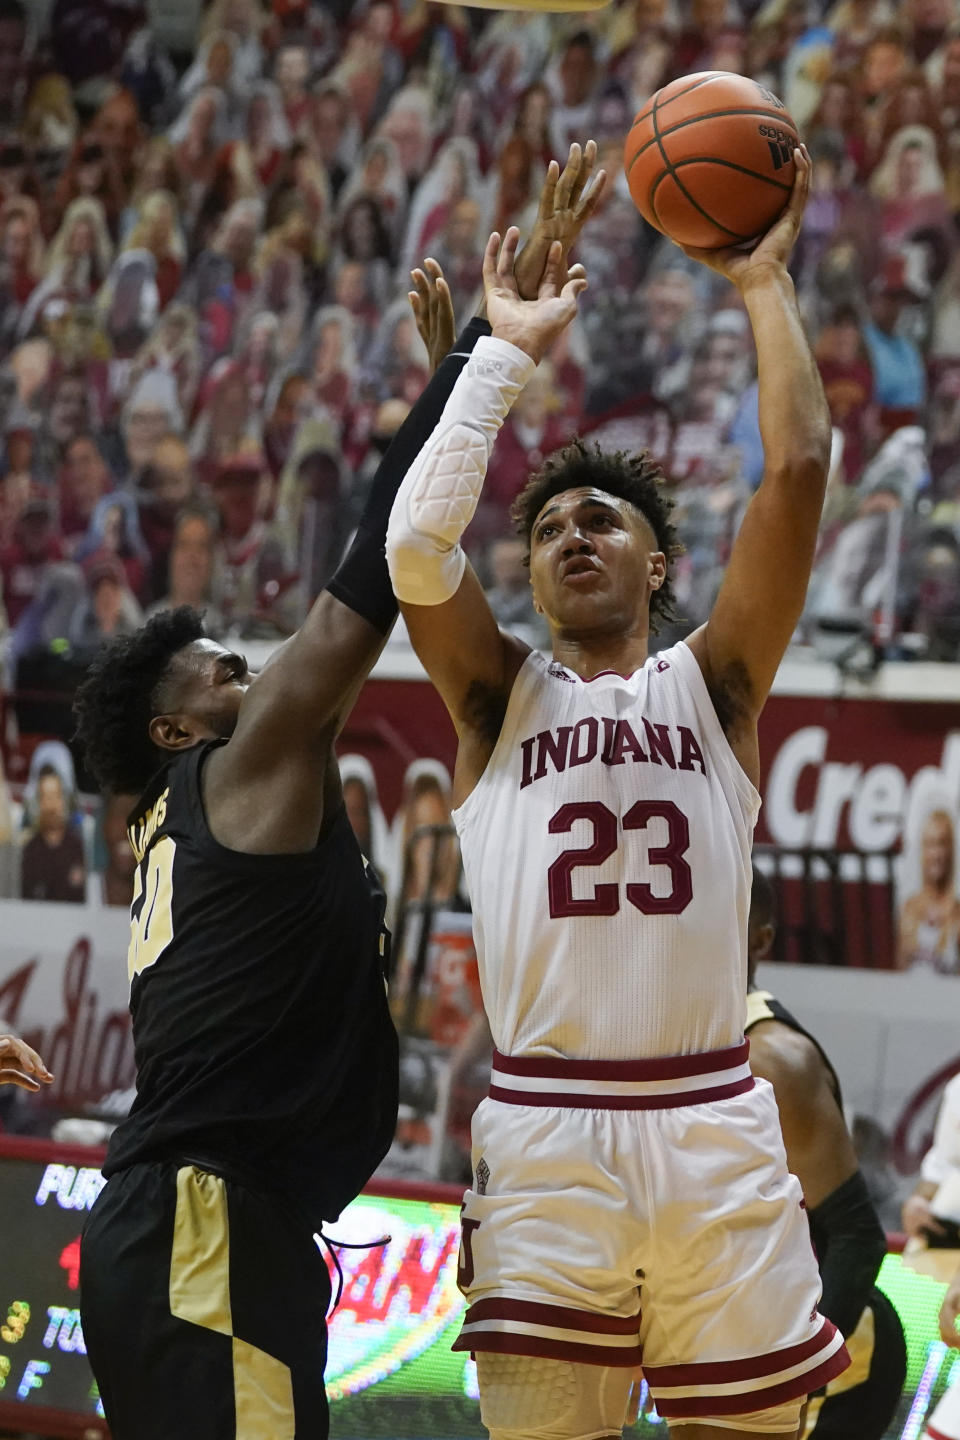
x: 780, y: 143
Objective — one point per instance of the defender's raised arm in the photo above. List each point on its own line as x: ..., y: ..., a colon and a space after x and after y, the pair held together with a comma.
x: 470, y: 660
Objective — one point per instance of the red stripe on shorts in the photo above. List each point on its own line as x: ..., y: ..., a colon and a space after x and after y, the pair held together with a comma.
x: 720, y: 1372
x: 565, y: 1317
x: 600, y: 1101
x: 512, y: 1342
x: 744, y: 1402
x: 667, y: 1067
x: 931, y: 1434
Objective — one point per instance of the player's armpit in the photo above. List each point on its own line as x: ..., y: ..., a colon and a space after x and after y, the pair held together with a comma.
x: 473, y: 664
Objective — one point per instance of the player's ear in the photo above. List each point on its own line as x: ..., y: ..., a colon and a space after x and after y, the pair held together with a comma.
x: 658, y: 569
x: 764, y: 942
x: 172, y: 732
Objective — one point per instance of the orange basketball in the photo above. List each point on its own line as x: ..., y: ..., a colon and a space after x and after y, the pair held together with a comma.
x: 709, y: 159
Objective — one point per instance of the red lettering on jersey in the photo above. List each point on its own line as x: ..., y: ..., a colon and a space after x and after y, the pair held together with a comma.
x: 690, y: 752
x: 552, y: 749
x: 526, y: 750
x: 658, y: 739
x: 580, y: 754
x: 625, y: 743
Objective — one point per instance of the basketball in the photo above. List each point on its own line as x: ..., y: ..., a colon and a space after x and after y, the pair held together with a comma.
x: 709, y: 159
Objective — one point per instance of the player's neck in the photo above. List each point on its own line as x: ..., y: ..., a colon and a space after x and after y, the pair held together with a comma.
x: 593, y: 655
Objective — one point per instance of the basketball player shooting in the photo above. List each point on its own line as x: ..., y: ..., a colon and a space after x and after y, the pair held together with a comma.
x: 266, y: 1057
x: 631, y: 1199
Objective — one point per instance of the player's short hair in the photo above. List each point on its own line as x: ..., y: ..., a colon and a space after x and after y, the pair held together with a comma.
x: 636, y: 478
x: 121, y: 693
x: 763, y: 901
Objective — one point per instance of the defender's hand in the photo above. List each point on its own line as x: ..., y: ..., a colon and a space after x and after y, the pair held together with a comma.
x: 432, y: 307
x: 532, y: 325
x: 774, y: 249
x: 564, y: 210
x: 19, y: 1065
x: 949, y: 1313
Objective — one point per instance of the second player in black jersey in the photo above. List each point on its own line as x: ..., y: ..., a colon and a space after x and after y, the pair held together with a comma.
x: 844, y: 1226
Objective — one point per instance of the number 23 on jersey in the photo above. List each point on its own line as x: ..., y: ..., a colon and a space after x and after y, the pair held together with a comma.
x: 605, y: 899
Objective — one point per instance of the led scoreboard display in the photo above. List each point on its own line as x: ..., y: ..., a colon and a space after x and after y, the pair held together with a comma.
x: 390, y: 1372
x: 43, y: 1361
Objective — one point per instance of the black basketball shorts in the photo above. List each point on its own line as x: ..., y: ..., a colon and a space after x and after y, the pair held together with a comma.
x: 204, y: 1310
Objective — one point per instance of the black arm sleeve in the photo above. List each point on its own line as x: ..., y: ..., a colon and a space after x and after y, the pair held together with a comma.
x: 361, y: 580
x: 850, y: 1245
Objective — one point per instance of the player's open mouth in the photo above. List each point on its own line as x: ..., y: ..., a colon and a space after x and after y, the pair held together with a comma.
x: 577, y: 571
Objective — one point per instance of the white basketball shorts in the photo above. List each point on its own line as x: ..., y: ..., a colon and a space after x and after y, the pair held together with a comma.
x: 628, y: 1212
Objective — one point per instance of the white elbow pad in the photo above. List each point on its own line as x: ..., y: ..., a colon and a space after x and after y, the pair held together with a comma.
x: 439, y: 494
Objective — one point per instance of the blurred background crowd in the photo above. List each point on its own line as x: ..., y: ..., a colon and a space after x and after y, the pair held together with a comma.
x: 208, y: 213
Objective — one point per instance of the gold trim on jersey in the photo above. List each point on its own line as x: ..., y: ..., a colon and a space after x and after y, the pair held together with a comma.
x: 151, y: 925
x: 758, y: 1008
x: 200, y: 1293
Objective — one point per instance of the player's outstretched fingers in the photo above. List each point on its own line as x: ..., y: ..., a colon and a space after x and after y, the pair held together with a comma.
x: 575, y: 286
x: 591, y: 200
x: 490, y: 252
x: 569, y: 178
x: 548, y: 192
x: 508, y: 253
x: 584, y: 171
x: 423, y: 290
x: 801, y: 183
x: 420, y: 303
x: 549, y: 281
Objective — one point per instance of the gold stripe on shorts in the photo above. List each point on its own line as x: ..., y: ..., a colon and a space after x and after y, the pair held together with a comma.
x: 200, y: 1259
x: 200, y: 1293
x: 263, y: 1390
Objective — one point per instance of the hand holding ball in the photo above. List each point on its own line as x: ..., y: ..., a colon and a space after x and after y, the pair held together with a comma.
x: 709, y: 159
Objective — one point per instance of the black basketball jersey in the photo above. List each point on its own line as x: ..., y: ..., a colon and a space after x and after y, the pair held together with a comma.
x: 264, y: 1047
x: 761, y: 1005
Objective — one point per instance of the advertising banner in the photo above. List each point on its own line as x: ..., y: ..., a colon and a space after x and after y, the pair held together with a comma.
x: 64, y: 989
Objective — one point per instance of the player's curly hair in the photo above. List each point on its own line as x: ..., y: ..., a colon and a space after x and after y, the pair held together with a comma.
x: 636, y: 478
x: 120, y: 695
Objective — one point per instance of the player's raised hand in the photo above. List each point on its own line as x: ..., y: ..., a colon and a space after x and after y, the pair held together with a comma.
x: 19, y: 1065
x: 950, y: 1313
x: 531, y: 325
x: 567, y: 201
x: 773, y: 250
x: 432, y: 306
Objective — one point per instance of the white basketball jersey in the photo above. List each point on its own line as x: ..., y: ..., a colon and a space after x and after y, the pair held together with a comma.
x: 607, y: 853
